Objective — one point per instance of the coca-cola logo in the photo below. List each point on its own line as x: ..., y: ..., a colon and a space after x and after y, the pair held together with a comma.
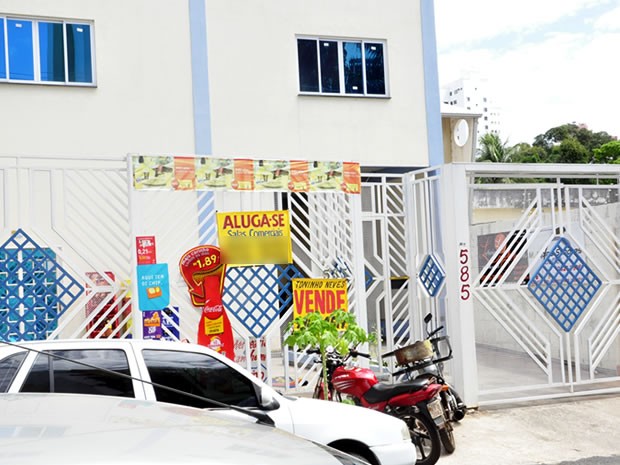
x: 213, y: 309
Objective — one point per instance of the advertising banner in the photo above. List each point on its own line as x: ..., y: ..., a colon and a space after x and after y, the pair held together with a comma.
x: 299, y: 179
x: 145, y: 250
x: 161, y: 324
x: 244, y: 174
x: 203, y: 272
x: 214, y: 329
x: 184, y: 174
x: 153, y: 172
x: 153, y: 287
x: 255, y: 238
x: 195, y: 265
x: 319, y: 295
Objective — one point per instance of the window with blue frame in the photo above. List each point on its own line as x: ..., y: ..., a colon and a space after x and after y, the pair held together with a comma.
x: 341, y: 67
x: 46, y: 51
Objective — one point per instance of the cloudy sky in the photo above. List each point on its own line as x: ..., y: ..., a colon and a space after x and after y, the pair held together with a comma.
x: 547, y: 62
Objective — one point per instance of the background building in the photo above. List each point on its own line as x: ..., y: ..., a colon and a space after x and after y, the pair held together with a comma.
x: 473, y: 93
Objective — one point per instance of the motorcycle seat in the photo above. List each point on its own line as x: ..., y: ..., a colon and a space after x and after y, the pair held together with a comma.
x: 383, y: 391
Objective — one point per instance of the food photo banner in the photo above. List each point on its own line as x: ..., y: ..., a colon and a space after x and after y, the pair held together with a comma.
x: 242, y: 174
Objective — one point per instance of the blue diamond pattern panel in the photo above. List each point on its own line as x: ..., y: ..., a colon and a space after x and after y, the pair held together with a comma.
x: 258, y: 295
x: 34, y: 289
x: 431, y: 276
x: 564, y: 284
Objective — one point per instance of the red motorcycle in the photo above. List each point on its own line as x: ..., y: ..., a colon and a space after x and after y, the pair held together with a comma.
x: 416, y: 402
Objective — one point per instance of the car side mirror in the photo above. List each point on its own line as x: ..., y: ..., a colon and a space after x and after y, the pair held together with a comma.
x: 267, y: 400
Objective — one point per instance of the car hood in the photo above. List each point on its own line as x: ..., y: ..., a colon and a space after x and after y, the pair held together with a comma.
x: 326, y: 421
x: 72, y: 429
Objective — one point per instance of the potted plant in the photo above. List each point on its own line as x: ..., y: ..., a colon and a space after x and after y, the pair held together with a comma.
x: 338, y: 331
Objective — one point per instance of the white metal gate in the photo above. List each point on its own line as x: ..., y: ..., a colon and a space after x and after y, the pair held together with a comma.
x: 64, y: 248
x: 525, y: 276
x: 546, y: 281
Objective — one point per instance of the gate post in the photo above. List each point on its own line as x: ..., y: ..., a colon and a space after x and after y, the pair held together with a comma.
x: 460, y: 317
x: 358, y: 261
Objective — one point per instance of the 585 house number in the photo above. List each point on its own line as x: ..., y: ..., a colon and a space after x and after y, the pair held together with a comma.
x: 465, y: 292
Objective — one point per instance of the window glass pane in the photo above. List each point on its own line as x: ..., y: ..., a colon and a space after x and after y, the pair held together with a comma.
x: 51, y: 51
x: 38, y: 379
x: 9, y: 368
x: 71, y: 377
x: 2, y: 55
x: 308, y: 65
x: 330, y: 80
x: 352, y: 58
x: 197, y: 374
x: 79, y: 53
x: 21, y: 64
x: 375, y: 74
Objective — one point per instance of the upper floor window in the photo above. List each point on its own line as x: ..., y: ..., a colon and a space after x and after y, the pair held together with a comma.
x: 345, y: 67
x: 49, y: 51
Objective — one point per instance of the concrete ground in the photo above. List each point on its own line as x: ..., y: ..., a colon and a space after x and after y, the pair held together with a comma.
x: 546, y: 433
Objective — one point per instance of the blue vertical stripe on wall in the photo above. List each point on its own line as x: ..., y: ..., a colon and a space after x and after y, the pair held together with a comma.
x: 202, y: 104
x: 431, y: 83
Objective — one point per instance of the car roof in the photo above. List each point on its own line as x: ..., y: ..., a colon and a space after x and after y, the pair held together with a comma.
x: 106, y: 342
x: 73, y: 429
x: 138, y: 344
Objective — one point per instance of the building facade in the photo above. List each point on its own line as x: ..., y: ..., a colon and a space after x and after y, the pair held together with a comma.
x: 220, y: 77
x: 473, y: 93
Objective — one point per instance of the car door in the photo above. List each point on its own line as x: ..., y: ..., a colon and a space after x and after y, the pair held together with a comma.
x: 80, y: 369
x: 176, y: 372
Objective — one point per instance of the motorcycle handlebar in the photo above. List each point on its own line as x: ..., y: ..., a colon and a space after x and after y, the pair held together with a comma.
x: 355, y: 353
x: 435, y: 331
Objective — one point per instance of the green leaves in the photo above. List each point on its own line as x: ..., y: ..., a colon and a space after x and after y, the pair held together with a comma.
x: 339, y: 330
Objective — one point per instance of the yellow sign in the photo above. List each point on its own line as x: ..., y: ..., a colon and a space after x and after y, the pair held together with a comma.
x: 319, y: 295
x: 255, y: 238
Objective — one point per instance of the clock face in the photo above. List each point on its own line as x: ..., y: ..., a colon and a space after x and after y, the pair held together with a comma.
x: 461, y: 132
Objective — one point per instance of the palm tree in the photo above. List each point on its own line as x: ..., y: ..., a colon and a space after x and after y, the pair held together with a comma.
x: 492, y: 149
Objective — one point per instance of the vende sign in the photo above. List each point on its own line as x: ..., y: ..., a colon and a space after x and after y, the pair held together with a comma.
x: 319, y: 295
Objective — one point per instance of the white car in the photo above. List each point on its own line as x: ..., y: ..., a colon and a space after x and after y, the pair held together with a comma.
x: 73, y: 429
x: 188, y: 368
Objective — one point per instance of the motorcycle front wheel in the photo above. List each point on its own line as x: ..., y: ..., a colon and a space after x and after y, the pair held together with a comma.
x: 447, y: 432
x: 424, y: 435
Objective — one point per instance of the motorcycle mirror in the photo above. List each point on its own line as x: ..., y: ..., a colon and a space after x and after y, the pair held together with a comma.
x: 428, y: 318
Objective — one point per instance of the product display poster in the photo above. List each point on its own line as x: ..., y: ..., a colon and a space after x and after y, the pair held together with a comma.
x: 153, y: 287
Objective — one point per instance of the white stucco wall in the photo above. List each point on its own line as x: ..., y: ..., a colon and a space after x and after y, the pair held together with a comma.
x: 143, y: 99
x: 256, y: 108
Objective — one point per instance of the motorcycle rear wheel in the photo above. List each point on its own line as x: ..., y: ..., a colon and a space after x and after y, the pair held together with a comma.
x: 424, y: 435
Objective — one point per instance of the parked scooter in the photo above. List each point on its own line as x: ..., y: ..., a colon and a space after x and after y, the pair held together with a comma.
x: 425, y: 360
x: 416, y: 402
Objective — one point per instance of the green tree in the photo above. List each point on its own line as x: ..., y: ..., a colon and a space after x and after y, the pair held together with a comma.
x: 608, y: 153
x: 525, y: 153
x: 570, y: 150
x: 550, y: 140
x: 339, y: 331
x: 492, y: 149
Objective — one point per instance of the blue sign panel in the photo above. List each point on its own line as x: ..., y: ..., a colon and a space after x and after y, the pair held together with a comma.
x: 153, y: 287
